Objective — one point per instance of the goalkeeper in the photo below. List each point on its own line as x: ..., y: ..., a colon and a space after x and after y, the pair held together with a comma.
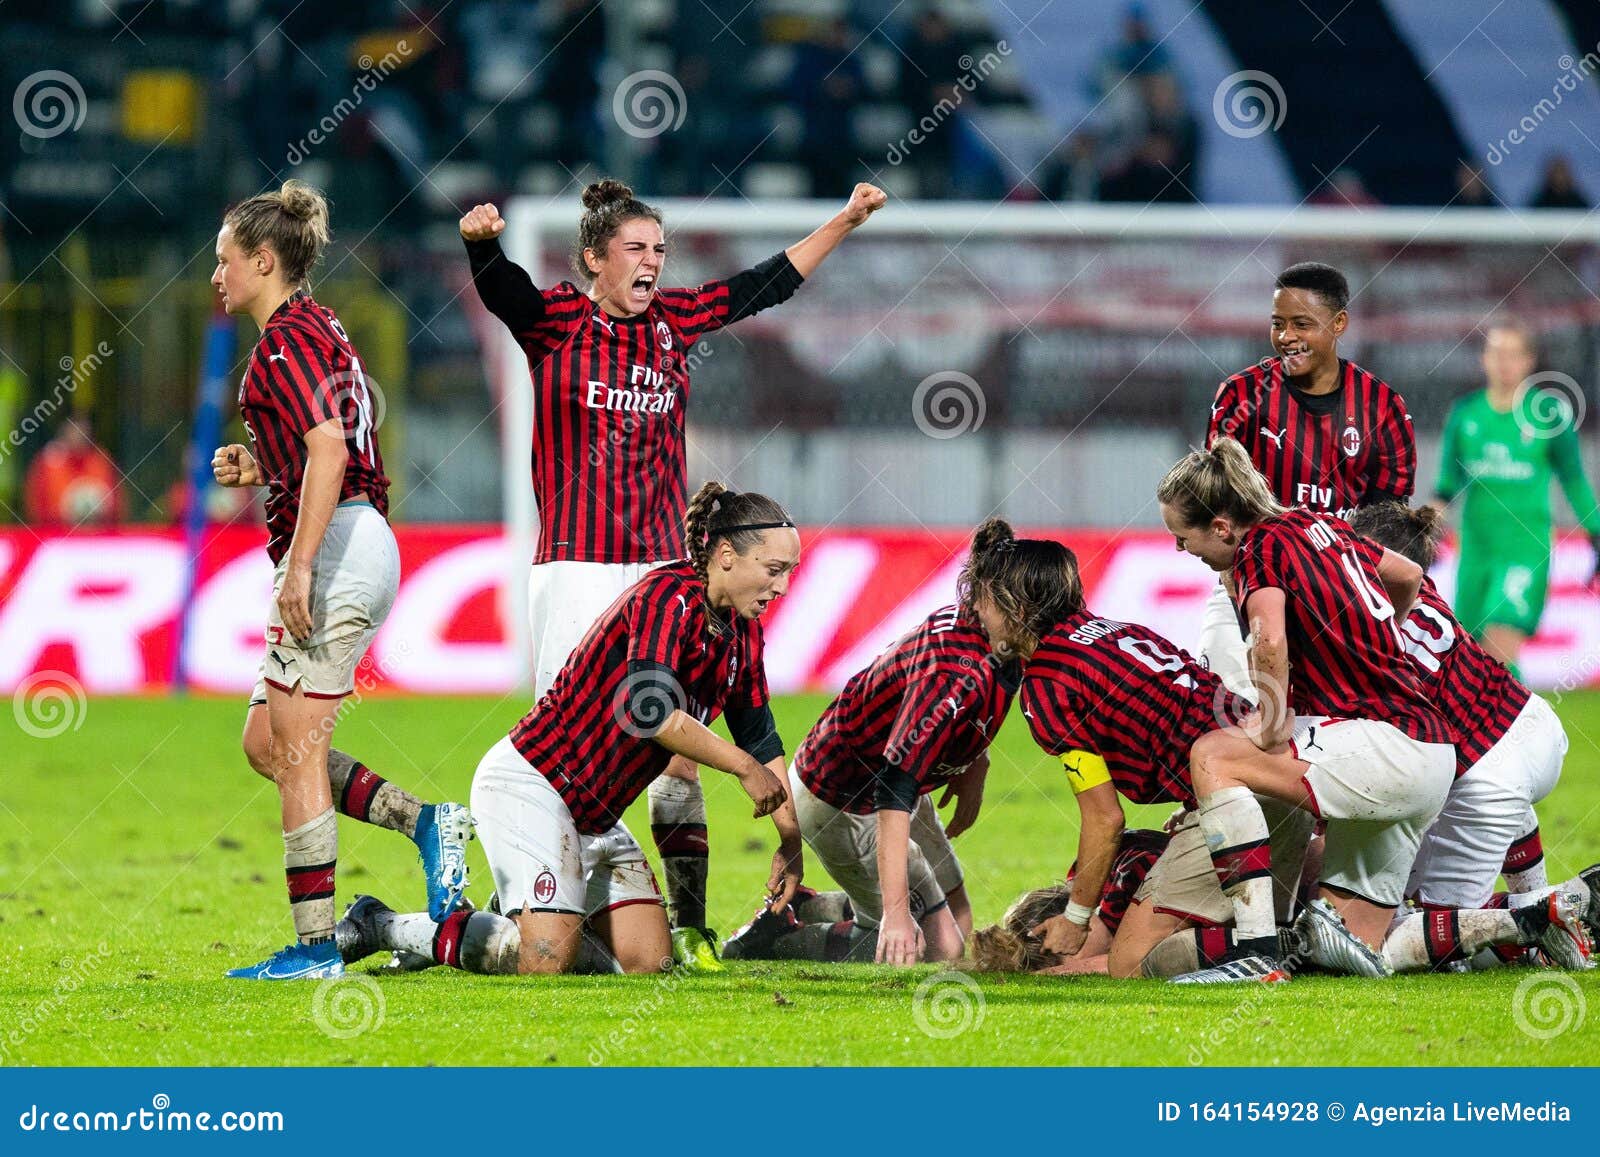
x: 1501, y: 446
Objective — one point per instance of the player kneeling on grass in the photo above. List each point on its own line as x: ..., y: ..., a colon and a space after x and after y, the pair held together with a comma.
x: 680, y: 647
x: 1120, y: 706
x: 1509, y: 750
x: 307, y: 405
x: 1353, y: 738
x: 923, y: 714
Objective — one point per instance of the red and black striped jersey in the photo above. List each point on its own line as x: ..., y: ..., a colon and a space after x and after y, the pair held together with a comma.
x: 1330, y: 452
x: 1128, y: 695
x: 303, y: 372
x: 1136, y: 855
x: 930, y: 705
x: 1479, y: 698
x: 608, y: 402
x: 580, y: 735
x: 1346, y: 659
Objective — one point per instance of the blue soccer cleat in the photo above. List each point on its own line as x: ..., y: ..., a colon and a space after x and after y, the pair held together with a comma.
x: 442, y: 834
x: 296, y: 962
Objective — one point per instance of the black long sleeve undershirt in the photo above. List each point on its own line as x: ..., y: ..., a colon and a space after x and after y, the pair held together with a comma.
x: 504, y: 286
x: 768, y: 283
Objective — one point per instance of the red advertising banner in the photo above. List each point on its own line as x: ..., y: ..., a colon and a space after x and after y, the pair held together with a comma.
x: 104, y: 608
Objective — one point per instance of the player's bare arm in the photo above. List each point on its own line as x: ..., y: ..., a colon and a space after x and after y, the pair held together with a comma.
x: 806, y: 255
x: 1402, y: 581
x: 1271, y: 724
x: 788, y: 862
x: 900, y: 939
x: 684, y: 735
x: 1099, y: 836
x: 234, y: 465
x: 326, y: 457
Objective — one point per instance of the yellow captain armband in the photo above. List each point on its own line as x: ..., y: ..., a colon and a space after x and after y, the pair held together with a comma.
x: 1085, y: 769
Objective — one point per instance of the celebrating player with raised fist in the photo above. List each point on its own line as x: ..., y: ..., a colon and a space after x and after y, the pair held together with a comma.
x: 610, y: 378
x: 306, y: 401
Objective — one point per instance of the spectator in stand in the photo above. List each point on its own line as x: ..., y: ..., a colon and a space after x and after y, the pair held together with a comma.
x: 1150, y: 176
x: 572, y: 77
x: 72, y: 482
x: 1558, y: 189
x: 827, y: 84
x: 928, y: 75
x: 1472, y: 191
x: 1138, y: 53
x: 1167, y: 114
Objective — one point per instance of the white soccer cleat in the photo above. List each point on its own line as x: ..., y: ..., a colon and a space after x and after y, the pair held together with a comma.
x: 1326, y: 941
x: 1566, y: 940
x: 1244, y: 970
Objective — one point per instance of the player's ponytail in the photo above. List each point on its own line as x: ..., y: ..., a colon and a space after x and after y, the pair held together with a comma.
x: 292, y: 222
x: 1220, y: 482
x: 607, y: 206
x: 1033, y: 582
x: 1412, y: 531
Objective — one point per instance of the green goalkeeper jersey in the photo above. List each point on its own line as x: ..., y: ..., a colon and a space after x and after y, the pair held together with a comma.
x: 1501, y: 464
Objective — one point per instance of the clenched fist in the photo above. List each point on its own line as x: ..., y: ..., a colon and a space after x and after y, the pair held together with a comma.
x: 482, y: 223
x: 234, y: 466
x: 864, y: 202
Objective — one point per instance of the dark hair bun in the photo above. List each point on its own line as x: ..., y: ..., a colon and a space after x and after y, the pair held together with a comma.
x: 993, y: 533
x: 606, y: 192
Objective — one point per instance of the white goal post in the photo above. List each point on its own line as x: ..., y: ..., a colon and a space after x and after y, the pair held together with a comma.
x: 540, y: 230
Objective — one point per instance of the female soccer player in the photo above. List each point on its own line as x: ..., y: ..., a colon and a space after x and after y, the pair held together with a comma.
x: 1012, y: 945
x: 681, y: 646
x: 1501, y: 447
x: 1327, y: 434
x: 1119, y: 705
x: 1509, y: 744
x: 610, y: 373
x: 306, y: 403
x: 921, y: 715
x: 1355, y: 740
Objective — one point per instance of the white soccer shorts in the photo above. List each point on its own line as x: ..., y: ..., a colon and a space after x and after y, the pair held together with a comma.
x: 564, y: 600
x: 1378, y: 789
x: 354, y: 578
x: 1487, y: 809
x: 847, y: 845
x: 539, y: 861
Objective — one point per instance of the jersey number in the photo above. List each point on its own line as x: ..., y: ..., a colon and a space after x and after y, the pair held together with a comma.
x: 1376, y: 601
x: 360, y: 395
x: 1424, y: 645
x: 1158, y: 660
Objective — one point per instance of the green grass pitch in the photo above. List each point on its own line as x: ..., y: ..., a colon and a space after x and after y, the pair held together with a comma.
x: 142, y: 858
